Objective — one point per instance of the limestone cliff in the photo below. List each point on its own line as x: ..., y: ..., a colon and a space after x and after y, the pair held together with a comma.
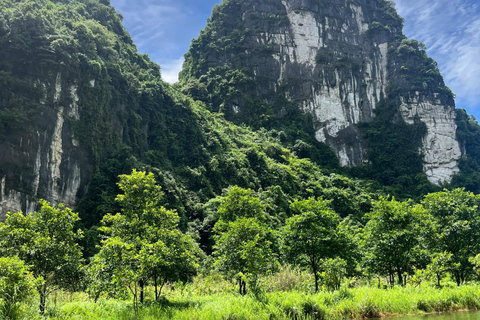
x: 73, y: 93
x: 334, y: 59
x: 42, y: 158
x: 79, y: 106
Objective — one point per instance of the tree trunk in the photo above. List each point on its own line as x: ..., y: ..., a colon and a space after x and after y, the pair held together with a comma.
x: 313, y: 264
x: 242, y: 287
x: 156, y: 287
x: 43, y: 297
x: 400, y: 278
x: 135, y: 299
x: 457, y: 278
x: 142, y: 286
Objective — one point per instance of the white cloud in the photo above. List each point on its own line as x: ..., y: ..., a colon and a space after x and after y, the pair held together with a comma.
x: 451, y: 31
x: 150, y: 22
x: 171, y: 69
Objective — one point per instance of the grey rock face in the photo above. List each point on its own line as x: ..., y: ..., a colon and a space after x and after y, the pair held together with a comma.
x: 333, y: 60
x: 440, y: 149
x: 344, y: 72
x: 44, y: 160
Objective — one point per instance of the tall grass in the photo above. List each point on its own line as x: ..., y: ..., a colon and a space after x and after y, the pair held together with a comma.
x: 197, y: 301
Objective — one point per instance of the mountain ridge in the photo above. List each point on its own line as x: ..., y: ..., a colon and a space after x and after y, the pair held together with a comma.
x: 338, y: 61
x: 79, y: 106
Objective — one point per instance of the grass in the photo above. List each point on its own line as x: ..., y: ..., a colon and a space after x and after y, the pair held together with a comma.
x: 195, y: 301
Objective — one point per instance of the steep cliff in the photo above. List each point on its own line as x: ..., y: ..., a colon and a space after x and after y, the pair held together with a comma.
x: 75, y: 93
x: 335, y: 60
x: 79, y: 106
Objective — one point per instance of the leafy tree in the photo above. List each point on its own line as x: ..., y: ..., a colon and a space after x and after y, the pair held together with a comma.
x: 46, y: 241
x: 311, y: 234
x: 16, y: 285
x: 396, y: 238
x: 458, y: 224
x: 144, y: 242
x: 441, y: 264
x: 244, y: 249
x: 475, y: 261
x: 238, y: 203
x: 334, y: 270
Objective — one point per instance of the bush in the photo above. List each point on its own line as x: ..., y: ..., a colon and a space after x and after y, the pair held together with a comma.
x: 313, y: 310
x: 16, y: 285
x: 288, y: 279
x: 369, y: 309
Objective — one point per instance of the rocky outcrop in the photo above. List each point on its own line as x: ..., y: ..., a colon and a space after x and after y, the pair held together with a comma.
x: 334, y: 60
x: 440, y: 148
x: 43, y: 160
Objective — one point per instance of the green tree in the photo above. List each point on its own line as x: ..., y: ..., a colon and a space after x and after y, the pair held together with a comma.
x: 16, y: 285
x: 458, y: 224
x: 396, y: 238
x: 312, y: 235
x: 334, y: 270
x: 244, y: 249
x: 238, y: 203
x: 47, y: 241
x: 144, y: 242
x: 475, y: 261
x: 440, y: 265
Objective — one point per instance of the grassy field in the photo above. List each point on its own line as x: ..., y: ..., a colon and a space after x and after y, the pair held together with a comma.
x: 190, y: 302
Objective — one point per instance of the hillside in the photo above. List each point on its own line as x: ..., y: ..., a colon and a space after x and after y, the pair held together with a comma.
x: 79, y: 106
x: 342, y: 69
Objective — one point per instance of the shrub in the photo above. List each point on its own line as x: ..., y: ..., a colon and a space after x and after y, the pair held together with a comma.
x: 16, y: 285
x: 313, y: 310
x: 288, y: 279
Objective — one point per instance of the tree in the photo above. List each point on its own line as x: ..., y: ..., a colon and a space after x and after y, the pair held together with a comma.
x: 311, y: 234
x: 143, y: 244
x: 334, y: 270
x: 458, y: 223
x: 475, y: 261
x: 441, y: 263
x: 396, y: 238
x: 244, y: 250
x: 16, y: 285
x: 239, y: 203
x: 46, y: 241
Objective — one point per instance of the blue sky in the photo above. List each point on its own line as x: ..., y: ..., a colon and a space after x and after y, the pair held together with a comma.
x: 450, y: 28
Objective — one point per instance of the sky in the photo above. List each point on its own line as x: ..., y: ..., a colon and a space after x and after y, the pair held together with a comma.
x: 450, y: 28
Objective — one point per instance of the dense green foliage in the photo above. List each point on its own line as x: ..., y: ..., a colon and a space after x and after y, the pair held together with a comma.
x: 312, y: 234
x: 45, y: 240
x: 468, y: 133
x: 397, y: 238
x: 244, y: 251
x: 16, y: 285
x: 393, y: 155
x: 458, y: 225
x: 246, y: 246
x: 143, y: 243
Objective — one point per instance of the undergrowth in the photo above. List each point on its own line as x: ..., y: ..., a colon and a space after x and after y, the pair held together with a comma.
x: 196, y: 301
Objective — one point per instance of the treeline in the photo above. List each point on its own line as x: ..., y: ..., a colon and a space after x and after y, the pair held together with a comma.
x: 142, y: 245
